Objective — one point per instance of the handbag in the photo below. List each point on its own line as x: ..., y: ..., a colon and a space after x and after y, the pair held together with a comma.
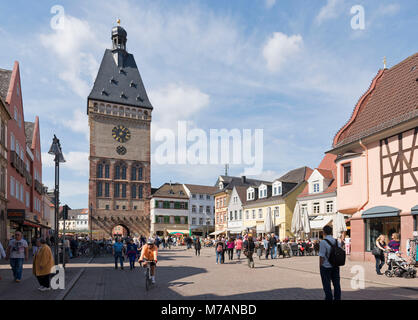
x: 376, y: 251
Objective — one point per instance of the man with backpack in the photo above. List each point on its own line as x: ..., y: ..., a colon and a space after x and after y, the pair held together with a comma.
x: 331, y: 257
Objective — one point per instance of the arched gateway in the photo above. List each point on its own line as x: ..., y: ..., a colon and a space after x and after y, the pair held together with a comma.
x: 119, y: 114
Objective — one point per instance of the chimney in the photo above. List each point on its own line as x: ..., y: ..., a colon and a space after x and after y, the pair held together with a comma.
x: 244, y: 179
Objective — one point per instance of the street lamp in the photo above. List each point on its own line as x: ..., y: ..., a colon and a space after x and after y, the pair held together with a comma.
x: 57, y: 152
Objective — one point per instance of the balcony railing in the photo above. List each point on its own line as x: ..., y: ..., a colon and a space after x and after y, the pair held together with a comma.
x: 38, y: 187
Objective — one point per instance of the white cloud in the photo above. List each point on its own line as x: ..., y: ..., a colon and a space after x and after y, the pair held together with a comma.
x: 389, y: 9
x: 279, y: 48
x: 270, y: 3
x: 79, y: 123
x: 70, y: 47
x: 176, y: 102
x: 74, y: 160
x: 330, y: 11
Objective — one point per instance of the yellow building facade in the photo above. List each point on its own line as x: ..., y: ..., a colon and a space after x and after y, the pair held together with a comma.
x: 278, y: 199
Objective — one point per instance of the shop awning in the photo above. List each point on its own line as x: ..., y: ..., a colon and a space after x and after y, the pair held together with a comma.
x: 178, y: 231
x: 380, y: 212
x: 216, y: 233
x: 260, y: 228
x: 414, y: 210
x: 319, y: 222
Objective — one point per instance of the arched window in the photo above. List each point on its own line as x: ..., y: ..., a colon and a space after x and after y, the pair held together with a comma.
x: 117, y: 171
x: 100, y: 170
x: 107, y: 171
x: 141, y: 192
x: 133, y: 191
x: 136, y: 173
x: 123, y: 175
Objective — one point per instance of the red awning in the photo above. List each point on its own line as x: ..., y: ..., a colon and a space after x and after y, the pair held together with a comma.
x: 31, y: 224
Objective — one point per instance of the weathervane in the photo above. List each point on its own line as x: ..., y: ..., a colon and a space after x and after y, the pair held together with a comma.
x: 118, y: 22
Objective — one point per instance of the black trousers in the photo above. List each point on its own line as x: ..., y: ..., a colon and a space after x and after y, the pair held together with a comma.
x: 197, y: 252
x: 223, y: 256
x: 231, y: 253
x: 44, y: 280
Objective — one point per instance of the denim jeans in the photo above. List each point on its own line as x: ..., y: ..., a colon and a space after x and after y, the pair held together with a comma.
x: 239, y: 253
x: 118, y: 255
x: 17, y: 267
x: 329, y: 275
x: 132, y: 261
x: 380, y: 261
x: 273, y: 252
x: 218, y: 256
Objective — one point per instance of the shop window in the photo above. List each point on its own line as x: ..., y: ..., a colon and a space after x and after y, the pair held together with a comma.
x: 415, y: 222
x: 377, y: 226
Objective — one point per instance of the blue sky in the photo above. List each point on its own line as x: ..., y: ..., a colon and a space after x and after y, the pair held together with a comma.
x: 293, y: 68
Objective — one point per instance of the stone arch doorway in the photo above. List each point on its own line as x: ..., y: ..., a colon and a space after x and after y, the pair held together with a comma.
x: 120, y: 230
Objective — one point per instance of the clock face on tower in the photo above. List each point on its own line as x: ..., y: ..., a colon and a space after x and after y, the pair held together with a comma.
x: 121, y: 134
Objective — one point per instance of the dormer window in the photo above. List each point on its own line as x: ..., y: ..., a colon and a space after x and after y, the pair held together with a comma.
x: 262, y: 191
x: 277, y: 188
x: 250, y: 194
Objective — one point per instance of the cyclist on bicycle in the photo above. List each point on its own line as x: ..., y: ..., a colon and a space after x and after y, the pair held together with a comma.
x: 150, y: 252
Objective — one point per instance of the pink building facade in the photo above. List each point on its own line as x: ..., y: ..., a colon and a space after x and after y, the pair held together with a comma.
x: 377, y: 160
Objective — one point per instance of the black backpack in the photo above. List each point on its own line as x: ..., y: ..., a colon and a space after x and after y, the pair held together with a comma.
x: 337, y: 255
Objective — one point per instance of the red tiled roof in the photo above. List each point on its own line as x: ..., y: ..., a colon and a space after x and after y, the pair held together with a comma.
x: 391, y: 99
x: 327, y: 174
x: 328, y: 169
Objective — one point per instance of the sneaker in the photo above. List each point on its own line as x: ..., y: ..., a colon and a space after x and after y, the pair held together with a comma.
x: 40, y: 288
x: 153, y: 280
x: 17, y: 280
x: 44, y: 289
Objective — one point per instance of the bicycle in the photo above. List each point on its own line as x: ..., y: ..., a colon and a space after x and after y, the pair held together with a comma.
x: 148, y: 279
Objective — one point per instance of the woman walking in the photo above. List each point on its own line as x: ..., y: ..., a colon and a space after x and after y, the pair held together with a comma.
x: 42, y: 264
x: 238, y: 247
x: 231, y: 246
x: 131, y: 253
x: 197, y: 246
x: 249, y: 247
x: 379, y: 253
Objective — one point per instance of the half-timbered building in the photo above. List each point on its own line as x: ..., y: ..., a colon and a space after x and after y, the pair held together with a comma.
x: 377, y: 160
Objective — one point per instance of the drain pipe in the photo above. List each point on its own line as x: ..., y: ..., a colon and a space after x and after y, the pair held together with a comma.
x: 367, y: 173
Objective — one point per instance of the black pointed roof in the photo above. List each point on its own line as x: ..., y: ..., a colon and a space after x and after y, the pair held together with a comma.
x: 121, y: 83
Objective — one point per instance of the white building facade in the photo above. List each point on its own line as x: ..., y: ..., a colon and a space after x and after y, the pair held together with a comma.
x: 201, y: 208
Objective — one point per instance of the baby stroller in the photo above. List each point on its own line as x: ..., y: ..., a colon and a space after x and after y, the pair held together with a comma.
x: 397, y: 266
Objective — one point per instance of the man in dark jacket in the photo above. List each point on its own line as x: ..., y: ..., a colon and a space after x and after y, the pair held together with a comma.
x: 273, y: 246
x: 249, y: 247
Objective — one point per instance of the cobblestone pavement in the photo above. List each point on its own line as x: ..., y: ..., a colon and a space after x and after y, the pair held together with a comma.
x: 182, y: 275
x: 27, y: 289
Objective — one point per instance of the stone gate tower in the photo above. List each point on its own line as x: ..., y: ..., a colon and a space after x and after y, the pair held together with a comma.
x: 119, y: 114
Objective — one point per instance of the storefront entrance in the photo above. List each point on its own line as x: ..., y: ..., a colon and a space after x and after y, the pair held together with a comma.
x: 380, y: 220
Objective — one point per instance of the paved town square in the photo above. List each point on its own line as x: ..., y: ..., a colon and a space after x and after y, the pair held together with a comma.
x: 184, y: 134
x: 183, y: 276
